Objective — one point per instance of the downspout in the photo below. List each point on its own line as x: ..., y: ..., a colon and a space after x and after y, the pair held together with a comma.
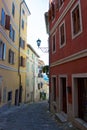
x: 19, y: 49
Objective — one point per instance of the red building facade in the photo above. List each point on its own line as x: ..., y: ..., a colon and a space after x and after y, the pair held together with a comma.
x: 68, y: 59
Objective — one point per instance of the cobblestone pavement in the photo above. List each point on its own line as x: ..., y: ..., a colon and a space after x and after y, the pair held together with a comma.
x: 34, y: 116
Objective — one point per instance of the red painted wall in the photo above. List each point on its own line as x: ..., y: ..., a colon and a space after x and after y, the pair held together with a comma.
x: 72, y: 46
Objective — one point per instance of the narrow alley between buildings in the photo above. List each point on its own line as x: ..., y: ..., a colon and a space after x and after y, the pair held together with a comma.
x: 33, y: 116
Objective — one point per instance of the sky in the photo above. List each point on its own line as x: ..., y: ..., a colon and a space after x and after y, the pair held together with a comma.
x: 37, y: 27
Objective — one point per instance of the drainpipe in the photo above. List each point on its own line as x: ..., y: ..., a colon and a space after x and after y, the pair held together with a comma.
x: 19, y: 49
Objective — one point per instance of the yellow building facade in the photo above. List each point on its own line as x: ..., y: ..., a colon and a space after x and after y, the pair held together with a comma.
x: 13, y: 39
x: 32, y: 75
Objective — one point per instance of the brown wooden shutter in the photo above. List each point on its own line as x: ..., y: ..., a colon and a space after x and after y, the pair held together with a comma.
x: 53, y: 10
x: 62, y: 34
x: 7, y: 22
x: 49, y: 15
x: 57, y: 4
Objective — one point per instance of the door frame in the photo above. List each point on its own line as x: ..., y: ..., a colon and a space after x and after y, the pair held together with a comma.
x: 75, y: 92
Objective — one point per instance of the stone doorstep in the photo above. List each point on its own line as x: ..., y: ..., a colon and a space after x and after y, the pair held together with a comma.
x: 81, y: 122
x: 61, y: 116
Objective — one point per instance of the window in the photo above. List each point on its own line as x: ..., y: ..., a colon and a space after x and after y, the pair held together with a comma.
x: 62, y: 34
x: 54, y: 88
x: 27, y: 82
x: 13, y: 9
x: 28, y: 51
x: 53, y: 43
x: 11, y: 57
x: 53, y: 10
x: 38, y: 85
x: 12, y: 33
x: 3, y: 17
x: 10, y: 96
x: 51, y: 13
x: 23, y: 11
x: 59, y: 3
x: 76, y: 20
x: 22, y: 61
x: 7, y: 22
x: 2, y: 50
x: 22, y: 43
x: 22, y: 24
x: 27, y: 67
x: 32, y: 67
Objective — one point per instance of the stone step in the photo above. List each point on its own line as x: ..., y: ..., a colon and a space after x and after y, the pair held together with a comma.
x: 61, y: 116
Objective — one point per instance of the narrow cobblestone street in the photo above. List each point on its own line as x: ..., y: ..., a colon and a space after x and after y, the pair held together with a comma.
x: 34, y: 116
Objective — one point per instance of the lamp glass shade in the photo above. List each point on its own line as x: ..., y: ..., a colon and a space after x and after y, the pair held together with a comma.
x: 38, y: 42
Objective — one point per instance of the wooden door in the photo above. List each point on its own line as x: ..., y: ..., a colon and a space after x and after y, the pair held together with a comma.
x: 64, y: 99
x: 82, y: 98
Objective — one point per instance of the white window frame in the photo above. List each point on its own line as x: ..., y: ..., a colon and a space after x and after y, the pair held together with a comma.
x: 75, y: 35
x: 60, y: 34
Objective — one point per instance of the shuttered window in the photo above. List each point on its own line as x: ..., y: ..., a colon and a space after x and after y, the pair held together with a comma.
x: 7, y: 22
x: 22, y: 24
x: 13, y: 9
x: 12, y: 33
x: 51, y: 13
x: 76, y: 20
x: 62, y: 34
x: 22, y: 43
x: 11, y: 57
x: 53, y: 44
x: 2, y: 50
x: 62, y: 39
x: 3, y: 17
x: 53, y: 10
x: 22, y: 61
x: 59, y: 3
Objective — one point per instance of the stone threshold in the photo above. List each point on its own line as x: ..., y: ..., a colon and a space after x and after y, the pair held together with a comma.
x: 61, y: 116
x: 81, y: 123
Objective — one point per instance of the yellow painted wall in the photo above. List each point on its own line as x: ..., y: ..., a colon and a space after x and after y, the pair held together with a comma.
x: 9, y: 77
x: 9, y: 73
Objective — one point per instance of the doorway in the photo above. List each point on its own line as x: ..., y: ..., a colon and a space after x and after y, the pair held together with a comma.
x: 16, y: 97
x: 63, y: 95
x: 82, y: 98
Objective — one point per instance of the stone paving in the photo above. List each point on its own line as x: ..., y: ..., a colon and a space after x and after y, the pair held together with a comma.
x: 34, y: 116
